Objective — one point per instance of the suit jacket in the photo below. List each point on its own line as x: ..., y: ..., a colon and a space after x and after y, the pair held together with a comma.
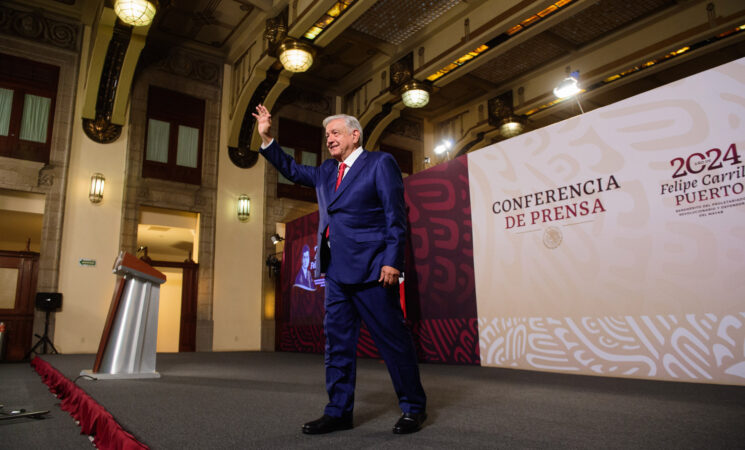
x: 366, y: 216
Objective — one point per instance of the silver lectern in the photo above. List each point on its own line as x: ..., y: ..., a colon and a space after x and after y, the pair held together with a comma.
x: 128, y: 343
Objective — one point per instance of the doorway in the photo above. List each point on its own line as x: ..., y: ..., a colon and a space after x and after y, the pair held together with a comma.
x: 168, y: 240
x: 21, y: 221
x: 177, y: 315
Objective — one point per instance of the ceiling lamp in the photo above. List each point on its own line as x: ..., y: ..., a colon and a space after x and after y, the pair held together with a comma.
x: 296, y: 56
x: 567, y: 88
x: 415, y: 94
x: 512, y: 126
x: 138, y: 13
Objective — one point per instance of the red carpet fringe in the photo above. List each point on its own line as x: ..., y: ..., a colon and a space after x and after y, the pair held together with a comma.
x: 94, y: 420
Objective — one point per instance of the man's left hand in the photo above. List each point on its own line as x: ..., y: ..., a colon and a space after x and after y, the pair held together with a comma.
x: 389, y: 276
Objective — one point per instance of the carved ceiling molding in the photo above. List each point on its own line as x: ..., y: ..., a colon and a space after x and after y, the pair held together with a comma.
x: 32, y: 25
x: 275, y: 31
x: 101, y: 129
x: 307, y: 100
x: 499, y: 107
x: 402, y: 71
x: 182, y: 62
x: 407, y: 128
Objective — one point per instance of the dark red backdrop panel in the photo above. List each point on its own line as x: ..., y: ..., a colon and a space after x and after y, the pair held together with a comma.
x: 298, y: 310
x: 440, y: 290
x: 440, y: 295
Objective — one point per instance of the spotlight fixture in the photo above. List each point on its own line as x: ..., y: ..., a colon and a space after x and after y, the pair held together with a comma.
x: 296, y: 56
x: 138, y: 13
x: 244, y: 207
x: 444, y: 146
x: 567, y: 87
x: 415, y: 94
x: 95, y: 194
x: 276, y: 238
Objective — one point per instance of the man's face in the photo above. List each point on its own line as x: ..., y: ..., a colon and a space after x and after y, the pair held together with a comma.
x: 340, y: 141
x: 306, y: 259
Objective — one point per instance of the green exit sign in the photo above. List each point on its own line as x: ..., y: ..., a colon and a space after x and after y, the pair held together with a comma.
x: 87, y: 262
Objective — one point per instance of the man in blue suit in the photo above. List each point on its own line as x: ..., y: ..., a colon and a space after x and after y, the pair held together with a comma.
x: 361, y: 239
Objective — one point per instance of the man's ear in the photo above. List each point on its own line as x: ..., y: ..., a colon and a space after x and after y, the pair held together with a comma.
x: 356, y: 134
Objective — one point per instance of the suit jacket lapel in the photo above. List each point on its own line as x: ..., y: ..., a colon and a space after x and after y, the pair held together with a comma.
x: 331, y: 180
x: 354, y: 171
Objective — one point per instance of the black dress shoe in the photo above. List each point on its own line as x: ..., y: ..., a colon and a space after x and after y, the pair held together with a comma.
x: 327, y: 424
x: 410, y: 423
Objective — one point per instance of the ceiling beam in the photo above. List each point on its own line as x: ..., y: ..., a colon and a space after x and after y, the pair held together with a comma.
x: 394, y: 53
x: 344, y: 22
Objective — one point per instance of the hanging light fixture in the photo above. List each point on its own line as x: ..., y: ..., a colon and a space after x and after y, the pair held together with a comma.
x: 512, y: 125
x: 95, y: 195
x: 138, y: 13
x: 244, y: 207
x: 296, y: 56
x: 415, y: 94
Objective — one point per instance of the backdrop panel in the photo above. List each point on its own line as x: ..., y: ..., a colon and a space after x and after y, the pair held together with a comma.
x: 613, y: 243
x: 300, y: 309
x: 440, y: 295
x: 440, y: 289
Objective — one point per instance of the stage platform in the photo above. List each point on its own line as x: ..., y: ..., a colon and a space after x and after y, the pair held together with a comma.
x: 260, y: 400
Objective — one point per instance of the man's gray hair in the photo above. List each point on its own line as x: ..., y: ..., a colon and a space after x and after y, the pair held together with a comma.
x: 350, y: 122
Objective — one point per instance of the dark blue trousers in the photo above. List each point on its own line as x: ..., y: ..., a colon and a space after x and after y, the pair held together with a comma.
x: 380, y: 308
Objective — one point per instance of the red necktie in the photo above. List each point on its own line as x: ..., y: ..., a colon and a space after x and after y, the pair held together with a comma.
x: 339, y: 176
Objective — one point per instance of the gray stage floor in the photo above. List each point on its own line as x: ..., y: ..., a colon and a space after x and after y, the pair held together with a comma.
x: 260, y: 400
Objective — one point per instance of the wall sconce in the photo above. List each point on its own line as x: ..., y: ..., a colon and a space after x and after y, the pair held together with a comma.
x: 415, y: 94
x: 244, y: 207
x: 95, y: 195
x: 138, y: 13
x: 276, y: 238
x: 296, y: 56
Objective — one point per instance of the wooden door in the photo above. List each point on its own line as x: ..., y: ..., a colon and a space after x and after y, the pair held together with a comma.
x: 18, y: 274
x: 189, y: 289
x: 188, y: 331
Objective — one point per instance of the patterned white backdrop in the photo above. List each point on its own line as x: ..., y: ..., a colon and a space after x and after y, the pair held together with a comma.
x: 690, y: 348
x: 613, y: 243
